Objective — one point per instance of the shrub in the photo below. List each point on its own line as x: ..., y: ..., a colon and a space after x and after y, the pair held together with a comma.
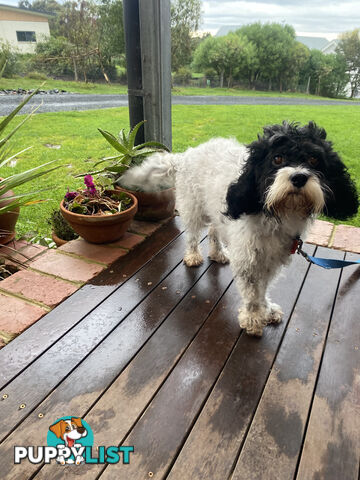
x: 182, y: 76
x: 36, y: 76
x: 52, y: 56
x: 60, y: 226
x: 8, y: 60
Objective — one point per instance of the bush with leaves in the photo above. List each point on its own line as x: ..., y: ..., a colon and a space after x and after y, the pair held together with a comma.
x: 60, y: 226
x: 8, y: 60
x: 53, y: 56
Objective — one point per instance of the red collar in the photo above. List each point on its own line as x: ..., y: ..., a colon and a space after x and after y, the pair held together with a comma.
x: 297, y: 243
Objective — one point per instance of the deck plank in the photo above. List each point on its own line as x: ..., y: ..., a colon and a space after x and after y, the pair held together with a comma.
x: 212, y: 445
x: 121, y: 405
x: 274, y: 440
x: 332, y: 444
x: 160, y: 431
x: 17, y: 355
x: 35, y: 383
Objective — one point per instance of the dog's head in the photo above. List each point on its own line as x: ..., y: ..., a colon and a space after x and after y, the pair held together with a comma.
x: 293, y: 169
x: 69, y: 430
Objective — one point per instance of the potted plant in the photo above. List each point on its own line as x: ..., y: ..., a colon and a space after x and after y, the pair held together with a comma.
x: 10, y: 202
x: 152, y: 205
x: 98, y: 213
x: 61, y: 231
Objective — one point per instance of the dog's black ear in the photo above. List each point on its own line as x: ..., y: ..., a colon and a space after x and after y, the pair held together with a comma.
x: 242, y: 197
x: 342, y: 201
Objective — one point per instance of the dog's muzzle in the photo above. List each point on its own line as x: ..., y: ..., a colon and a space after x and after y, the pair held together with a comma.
x: 294, y: 190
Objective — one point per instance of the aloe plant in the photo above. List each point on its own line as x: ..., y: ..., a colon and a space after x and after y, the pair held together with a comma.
x: 129, y: 153
x: 18, y: 179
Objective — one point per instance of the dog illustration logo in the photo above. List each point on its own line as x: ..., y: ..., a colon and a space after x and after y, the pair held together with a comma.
x: 74, y: 434
x: 70, y: 440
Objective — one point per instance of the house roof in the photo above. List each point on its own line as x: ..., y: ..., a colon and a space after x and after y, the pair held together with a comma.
x: 25, y: 10
x: 225, y: 29
x: 313, y: 42
x: 331, y: 46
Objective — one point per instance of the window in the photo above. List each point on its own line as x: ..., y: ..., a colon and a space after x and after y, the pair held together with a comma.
x: 26, y: 36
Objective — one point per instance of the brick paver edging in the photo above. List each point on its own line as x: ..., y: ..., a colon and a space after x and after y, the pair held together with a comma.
x: 53, y: 275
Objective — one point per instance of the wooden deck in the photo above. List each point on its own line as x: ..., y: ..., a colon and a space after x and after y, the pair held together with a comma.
x: 151, y: 355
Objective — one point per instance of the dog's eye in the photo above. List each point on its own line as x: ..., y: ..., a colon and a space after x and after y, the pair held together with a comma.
x: 278, y: 160
x: 67, y: 428
x: 312, y: 161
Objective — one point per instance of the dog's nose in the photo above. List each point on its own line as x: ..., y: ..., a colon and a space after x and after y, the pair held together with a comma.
x: 81, y: 429
x: 299, y: 179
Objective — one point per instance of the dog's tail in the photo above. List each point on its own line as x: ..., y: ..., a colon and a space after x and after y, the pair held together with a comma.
x: 156, y: 173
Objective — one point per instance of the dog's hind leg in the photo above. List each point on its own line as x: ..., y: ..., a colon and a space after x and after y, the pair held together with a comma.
x: 192, y: 257
x: 216, y: 249
x: 192, y: 216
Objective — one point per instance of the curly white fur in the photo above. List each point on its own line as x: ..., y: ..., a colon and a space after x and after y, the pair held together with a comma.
x: 256, y: 245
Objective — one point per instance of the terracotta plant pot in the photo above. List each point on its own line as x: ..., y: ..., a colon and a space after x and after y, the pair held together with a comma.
x: 59, y: 241
x: 101, y: 228
x: 153, y: 205
x: 7, y: 220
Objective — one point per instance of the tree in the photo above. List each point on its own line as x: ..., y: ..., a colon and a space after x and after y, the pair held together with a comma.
x: 349, y: 47
x: 111, y: 29
x: 78, y: 24
x: 227, y: 56
x: 324, y: 74
x: 185, y: 20
x: 292, y: 65
x: 334, y: 83
x: 276, y: 51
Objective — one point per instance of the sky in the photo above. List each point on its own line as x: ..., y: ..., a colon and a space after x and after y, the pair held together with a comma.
x: 325, y: 18
x: 308, y: 17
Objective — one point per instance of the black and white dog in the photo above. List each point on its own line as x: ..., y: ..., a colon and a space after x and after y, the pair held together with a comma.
x: 256, y: 199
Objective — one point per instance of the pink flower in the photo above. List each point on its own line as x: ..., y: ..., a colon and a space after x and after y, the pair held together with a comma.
x: 89, y: 182
x: 70, y: 195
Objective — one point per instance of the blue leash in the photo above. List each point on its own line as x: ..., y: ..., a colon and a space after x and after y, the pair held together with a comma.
x: 323, y: 262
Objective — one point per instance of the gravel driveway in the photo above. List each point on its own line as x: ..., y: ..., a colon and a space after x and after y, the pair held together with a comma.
x: 77, y: 101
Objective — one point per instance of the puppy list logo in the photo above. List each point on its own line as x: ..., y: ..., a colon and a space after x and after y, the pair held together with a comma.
x: 70, y: 441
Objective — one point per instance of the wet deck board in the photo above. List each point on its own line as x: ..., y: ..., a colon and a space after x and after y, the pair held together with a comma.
x: 153, y: 357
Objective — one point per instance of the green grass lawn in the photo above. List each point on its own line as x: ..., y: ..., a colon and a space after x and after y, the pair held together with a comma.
x: 237, y: 92
x: 74, y: 87
x: 81, y: 143
x: 115, y: 88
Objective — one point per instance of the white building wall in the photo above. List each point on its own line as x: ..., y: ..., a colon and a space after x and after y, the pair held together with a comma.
x: 8, y: 29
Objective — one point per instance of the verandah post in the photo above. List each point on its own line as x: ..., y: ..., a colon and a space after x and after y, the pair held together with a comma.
x: 148, y: 56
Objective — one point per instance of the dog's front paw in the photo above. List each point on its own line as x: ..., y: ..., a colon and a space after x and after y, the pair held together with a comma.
x: 275, y: 314
x: 219, y: 257
x: 193, y: 259
x: 252, y: 322
x: 79, y: 459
